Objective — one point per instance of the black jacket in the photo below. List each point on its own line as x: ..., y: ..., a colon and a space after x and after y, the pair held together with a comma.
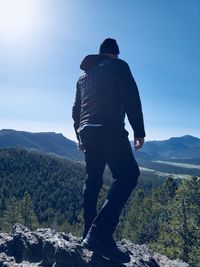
x: 105, y: 92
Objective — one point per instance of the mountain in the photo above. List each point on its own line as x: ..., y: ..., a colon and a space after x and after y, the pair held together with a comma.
x: 47, y: 142
x: 182, y: 148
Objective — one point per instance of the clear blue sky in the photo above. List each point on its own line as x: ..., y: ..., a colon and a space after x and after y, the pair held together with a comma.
x: 43, y: 42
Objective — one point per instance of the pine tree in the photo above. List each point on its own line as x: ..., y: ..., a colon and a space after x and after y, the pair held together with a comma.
x: 28, y: 215
x: 130, y: 221
x: 186, y: 220
x: 180, y: 236
x: 153, y: 212
x: 11, y: 215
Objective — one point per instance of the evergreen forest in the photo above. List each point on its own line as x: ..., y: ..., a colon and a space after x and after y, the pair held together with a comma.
x: 40, y: 190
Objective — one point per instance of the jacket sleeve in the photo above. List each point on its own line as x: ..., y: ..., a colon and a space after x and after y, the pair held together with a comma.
x: 76, y: 109
x: 130, y: 99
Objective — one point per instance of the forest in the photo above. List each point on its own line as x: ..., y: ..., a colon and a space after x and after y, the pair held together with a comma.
x: 40, y: 190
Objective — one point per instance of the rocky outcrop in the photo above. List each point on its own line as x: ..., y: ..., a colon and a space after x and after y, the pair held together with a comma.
x: 46, y: 248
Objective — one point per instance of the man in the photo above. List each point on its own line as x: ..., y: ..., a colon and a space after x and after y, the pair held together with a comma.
x: 106, y: 91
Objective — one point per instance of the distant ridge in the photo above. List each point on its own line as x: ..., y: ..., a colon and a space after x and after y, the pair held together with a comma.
x: 47, y: 142
x: 185, y: 148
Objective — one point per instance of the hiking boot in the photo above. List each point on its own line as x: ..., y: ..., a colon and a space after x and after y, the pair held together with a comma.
x: 107, y: 248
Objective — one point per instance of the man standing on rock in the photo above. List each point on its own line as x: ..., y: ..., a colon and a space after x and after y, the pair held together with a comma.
x: 106, y: 91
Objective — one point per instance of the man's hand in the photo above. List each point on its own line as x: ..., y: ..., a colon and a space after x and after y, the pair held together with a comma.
x: 81, y: 146
x: 138, y: 143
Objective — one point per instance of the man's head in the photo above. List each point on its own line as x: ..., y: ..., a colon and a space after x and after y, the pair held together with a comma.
x: 109, y: 47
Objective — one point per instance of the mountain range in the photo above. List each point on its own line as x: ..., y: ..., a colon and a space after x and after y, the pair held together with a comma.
x: 47, y: 142
x: 184, y: 148
x: 180, y: 149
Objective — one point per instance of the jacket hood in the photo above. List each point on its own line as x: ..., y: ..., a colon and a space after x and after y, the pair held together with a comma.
x: 91, y: 61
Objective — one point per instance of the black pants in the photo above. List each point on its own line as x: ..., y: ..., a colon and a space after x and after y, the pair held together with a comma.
x: 105, y: 146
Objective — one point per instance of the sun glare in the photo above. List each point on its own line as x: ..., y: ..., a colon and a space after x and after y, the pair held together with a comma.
x: 17, y: 19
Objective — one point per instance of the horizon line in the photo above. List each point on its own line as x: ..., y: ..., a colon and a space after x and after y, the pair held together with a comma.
x: 37, y: 132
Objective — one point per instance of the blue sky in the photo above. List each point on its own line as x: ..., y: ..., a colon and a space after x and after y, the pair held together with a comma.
x: 43, y: 42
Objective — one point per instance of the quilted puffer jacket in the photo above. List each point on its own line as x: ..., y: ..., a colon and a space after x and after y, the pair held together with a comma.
x: 105, y: 92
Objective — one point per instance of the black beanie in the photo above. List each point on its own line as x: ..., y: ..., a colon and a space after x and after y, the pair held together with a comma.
x: 109, y: 46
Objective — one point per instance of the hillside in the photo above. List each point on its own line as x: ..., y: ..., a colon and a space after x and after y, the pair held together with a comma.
x: 178, y: 157
x: 176, y: 148
x: 180, y: 149
x: 49, y: 189
x: 54, y: 184
x: 47, y: 142
x: 156, y: 159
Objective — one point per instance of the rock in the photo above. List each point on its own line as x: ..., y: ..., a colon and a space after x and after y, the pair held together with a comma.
x: 48, y: 248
